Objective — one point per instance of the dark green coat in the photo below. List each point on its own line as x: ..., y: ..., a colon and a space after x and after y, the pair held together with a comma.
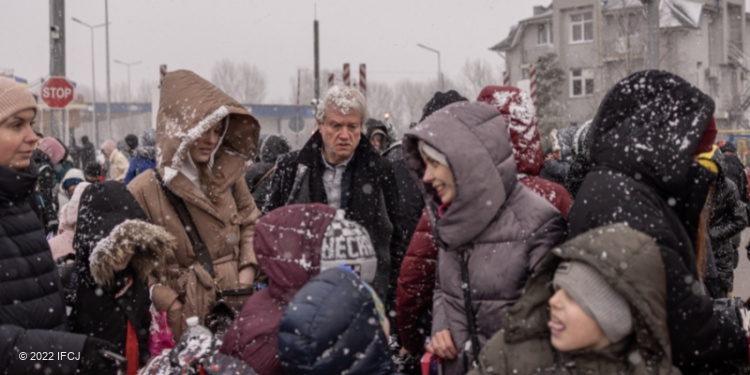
x: 630, y: 262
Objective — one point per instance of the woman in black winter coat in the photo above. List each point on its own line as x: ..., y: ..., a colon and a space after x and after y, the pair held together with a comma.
x: 258, y: 177
x: 32, y: 307
x: 117, y: 251
x: 727, y: 218
x: 644, y: 140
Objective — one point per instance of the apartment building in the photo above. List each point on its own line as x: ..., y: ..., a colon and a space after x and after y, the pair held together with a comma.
x: 599, y: 42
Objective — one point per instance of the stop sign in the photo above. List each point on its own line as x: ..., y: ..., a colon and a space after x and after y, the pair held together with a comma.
x: 57, y: 92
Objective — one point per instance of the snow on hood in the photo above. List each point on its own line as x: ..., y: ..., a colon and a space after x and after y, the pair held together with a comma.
x: 188, y: 107
x: 520, y: 116
x: 288, y: 242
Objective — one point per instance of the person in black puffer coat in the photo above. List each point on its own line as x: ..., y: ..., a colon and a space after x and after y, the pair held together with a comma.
x: 317, y: 337
x: 87, y: 152
x: 258, y: 177
x: 117, y: 251
x: 32, y: 305
x: 43, y: 200
x: 727, y: 219
x: 380, y: 134
x: 644, y: 139
x: 736, y: 172
x: 580, y: 166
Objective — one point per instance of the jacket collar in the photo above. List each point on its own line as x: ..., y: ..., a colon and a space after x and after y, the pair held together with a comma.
x: 17, y: 185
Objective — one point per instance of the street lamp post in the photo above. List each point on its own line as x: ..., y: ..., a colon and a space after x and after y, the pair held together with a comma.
x: 93, y: 77
x: 128, y: 65
x: 440, y: 74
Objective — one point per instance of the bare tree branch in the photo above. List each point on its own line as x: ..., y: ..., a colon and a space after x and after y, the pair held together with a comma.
x: 242, y: 81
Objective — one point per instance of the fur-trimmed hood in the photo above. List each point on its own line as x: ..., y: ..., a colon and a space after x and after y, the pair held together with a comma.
x: 111, y: 224
x: 148, y: 244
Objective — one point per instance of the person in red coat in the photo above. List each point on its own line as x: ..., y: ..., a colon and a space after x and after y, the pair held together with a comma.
x: 293, y: 244
x: 416, y: 283
x: 527, y: 145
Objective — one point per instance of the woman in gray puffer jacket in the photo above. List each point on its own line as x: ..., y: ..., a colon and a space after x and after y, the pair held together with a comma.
x: 491, y: 230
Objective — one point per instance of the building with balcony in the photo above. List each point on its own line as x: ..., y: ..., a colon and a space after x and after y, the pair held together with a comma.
x: 599, y: 42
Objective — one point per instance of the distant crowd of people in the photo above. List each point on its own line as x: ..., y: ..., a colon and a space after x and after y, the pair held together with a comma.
x: 459, y: 247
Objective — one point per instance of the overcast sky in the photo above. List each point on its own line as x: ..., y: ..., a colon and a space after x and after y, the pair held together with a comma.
x: 276, y: 36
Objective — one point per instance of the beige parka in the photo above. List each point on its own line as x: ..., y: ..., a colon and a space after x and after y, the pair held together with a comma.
x: 225, y: 214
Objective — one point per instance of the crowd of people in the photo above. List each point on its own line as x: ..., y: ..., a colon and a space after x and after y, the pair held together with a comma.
x: 457, y: 248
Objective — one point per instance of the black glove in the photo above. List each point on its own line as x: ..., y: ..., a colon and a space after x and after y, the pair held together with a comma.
x: 92, y: 360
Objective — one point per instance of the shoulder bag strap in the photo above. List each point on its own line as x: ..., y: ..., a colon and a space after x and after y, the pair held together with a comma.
x: 464, y: 260
x: 264, y: 177
x: 200, y: 249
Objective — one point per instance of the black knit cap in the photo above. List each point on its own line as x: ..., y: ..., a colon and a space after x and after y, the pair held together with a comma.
x: 440, y: 100
x: 132, y: 141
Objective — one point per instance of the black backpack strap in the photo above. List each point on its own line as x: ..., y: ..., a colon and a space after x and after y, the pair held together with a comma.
x: 200, y: 249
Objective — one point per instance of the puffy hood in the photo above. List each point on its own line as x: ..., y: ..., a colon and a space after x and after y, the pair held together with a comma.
x: 147, y: 147
x: 622, y: 256
x: 566, y: 142
x: 728, y: 147
x: 111, y: 224
x: 68, y: 214
x: 288, y: 243
x: 188, y: 107
x: 519, y: 114
x: 317, y: 336
x: 648, y: 126
x: 273, y: 146
x: 53, y: 148
x: 476, y: 143
x: 72, y: 173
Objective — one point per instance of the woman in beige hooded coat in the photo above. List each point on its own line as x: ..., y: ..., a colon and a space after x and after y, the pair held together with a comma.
x: 205, y: 142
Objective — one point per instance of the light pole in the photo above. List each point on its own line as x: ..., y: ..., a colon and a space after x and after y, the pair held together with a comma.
x: 128, y: 65
x: 440, y: 74
x: 93, y: 77
x: 109, y: 102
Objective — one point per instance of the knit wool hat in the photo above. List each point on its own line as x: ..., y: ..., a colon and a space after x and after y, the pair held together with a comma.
x: 348, y: 243
x: 53, y: 149
x: 132, y: 141
x: 108, y: 146
x: 433, y: 153
x: 596, y: 297
x: 440, y: 100
x: 14, y: 98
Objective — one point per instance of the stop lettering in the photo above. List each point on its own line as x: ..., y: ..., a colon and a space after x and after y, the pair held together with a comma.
x: 57, y: 92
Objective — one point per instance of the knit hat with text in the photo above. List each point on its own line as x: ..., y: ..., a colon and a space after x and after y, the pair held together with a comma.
x: 348, y: 243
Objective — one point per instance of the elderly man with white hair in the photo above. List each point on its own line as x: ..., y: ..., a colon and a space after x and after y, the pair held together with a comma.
x: 339, y: 167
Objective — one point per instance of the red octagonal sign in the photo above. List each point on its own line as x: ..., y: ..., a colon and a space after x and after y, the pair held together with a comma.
x: 57, y: 92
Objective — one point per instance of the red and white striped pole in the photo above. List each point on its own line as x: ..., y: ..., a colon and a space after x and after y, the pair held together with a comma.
x: 346, y: 75
x: 330, y: 79
x: 162, y: 73
x: 363, y: 79
x: 506, y: 78
x: 532, y: 85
